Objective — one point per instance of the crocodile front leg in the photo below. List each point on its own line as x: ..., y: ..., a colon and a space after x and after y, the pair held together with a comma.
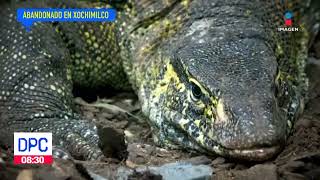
x: 36, y: 89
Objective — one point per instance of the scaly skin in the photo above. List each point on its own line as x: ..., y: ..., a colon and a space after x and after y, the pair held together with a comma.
x: 217, y: 76
x: 36, y: 86
x: 212, y: 76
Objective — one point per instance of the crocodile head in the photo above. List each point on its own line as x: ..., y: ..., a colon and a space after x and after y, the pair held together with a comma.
x: 221, y: 94
x: 230, y: 90
x: 224, y: 84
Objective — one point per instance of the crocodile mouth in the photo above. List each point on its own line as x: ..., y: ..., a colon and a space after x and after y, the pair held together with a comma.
x: 251, y: 154
x: 254, y: 154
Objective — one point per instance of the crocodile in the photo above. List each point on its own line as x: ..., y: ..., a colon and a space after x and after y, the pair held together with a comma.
x: 212, y: 76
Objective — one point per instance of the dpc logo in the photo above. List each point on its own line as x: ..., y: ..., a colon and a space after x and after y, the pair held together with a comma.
x: 32, y: 148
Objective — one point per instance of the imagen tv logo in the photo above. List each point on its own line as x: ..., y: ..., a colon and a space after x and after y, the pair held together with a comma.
x: 288, y: 22
x: 32, y: 148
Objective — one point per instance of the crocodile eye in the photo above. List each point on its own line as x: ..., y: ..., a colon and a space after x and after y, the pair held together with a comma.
x: 196, y: 91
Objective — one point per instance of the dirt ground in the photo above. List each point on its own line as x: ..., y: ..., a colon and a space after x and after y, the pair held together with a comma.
x: 299, y: 160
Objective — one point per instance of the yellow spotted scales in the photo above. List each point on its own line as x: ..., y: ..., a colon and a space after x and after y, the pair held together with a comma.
x: 212, y: 76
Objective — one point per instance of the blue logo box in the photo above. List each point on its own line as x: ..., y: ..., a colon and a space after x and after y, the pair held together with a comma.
x: 28, y: 16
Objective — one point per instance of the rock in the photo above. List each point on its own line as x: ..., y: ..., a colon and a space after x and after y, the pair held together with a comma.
x: 302, y: 167
x: 240, y: 167
x: 26, y: 174
x: 105, y: 115
x: 313, y: 72
x: 316, y: 48
x: 225, y: 166
x: 261, y: 172
x: 142, y: 154
x: 144, y: 176
x: 292, y: 166
x: 198, y: 160
x: 218, y: 160
x: 293, y: 176
x: 112, y: 142
x: 186, y: 171
x: 304, y: 123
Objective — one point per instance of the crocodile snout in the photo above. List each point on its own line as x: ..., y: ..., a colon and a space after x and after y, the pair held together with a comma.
x: 251, y: 126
